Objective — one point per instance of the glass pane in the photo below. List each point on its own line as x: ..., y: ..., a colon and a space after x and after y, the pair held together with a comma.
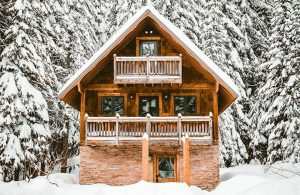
x: 149, y: 105
x: 148, y: 47
x: 119, y: 105
x: 166, y: 167
x: 191, y: 105
x: 179, y: 104
x: 107, y: 105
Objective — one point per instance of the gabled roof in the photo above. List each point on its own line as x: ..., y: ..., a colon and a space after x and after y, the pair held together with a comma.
x: 149, y: 11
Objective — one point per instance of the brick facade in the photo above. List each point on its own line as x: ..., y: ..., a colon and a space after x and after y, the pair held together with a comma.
x: 121, y: 165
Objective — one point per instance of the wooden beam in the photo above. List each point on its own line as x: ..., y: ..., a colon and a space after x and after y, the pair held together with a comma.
x: 145, y: 155
x: 82, y: 119
x: 215, y: 120
x: 186, y: 159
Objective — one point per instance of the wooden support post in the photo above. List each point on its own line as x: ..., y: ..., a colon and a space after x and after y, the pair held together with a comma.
x: 186, y: 159
x: 86, y: 116
x: 179, y: 130
x: 148, y: 125
x: 145, y: 155
x: 115, y: 67
x: 215, y: 119
x: 211, y: 126
x: 82, y: 119
x: 148, y: 66
x: 180, y: 68
x: 117, y: 128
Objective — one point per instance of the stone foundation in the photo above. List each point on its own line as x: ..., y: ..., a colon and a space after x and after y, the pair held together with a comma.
x: 122, y: 165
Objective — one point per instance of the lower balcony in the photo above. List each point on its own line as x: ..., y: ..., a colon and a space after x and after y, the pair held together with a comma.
x: 119, y: 128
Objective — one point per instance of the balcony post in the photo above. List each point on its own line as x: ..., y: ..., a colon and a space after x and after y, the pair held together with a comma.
x: 148, y: 124
x: 86, y: 116
x: 179, y: 129
x: 148, y: 67
x: 210, y: 125
x: 115, y: 67
x: 180, y: 67
x: 117, y: 128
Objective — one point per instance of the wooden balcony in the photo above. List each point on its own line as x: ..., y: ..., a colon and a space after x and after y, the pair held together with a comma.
x: 158, y: 128
x: 147, y: 69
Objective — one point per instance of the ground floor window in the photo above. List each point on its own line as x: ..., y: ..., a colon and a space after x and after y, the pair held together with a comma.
x: 185, y: 105
x: 111, y: 105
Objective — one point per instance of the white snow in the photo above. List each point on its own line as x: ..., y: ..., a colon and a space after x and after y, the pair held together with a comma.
x: 241, y: 180
x: 182, y: 39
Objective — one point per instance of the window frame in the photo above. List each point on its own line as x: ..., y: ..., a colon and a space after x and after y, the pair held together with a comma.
x: 148, y: 38
x: 100, y: 101
x: 150, y: 41
x: 197, y: 95
x: 137, y: 109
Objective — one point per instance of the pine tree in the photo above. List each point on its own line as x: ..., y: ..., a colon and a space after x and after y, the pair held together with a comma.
x: 23, y: 109
x: 280, y: 92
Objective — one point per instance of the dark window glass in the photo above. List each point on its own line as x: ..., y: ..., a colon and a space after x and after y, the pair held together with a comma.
x: 148, y: 104
x: 186, y: 105
x: 166, y: 167
x: 111, y: 105
x: 148, y: 47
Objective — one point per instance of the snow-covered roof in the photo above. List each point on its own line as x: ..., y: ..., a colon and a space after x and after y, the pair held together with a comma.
x: 169, y: 27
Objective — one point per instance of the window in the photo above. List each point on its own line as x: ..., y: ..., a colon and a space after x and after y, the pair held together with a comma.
x: 111, y: 105
x: 186, y: 105
x: 148, y: 47
x: 148, y: 104
x: 166, y: 167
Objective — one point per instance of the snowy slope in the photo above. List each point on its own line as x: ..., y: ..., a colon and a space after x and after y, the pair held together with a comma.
x: 244, y: 180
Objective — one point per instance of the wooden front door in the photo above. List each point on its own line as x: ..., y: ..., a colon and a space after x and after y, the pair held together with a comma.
x: 165, y: 167
x: 148, y: 104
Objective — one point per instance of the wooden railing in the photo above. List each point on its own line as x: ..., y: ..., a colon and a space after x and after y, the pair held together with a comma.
x: 147, y: 69
x: 113, y: 128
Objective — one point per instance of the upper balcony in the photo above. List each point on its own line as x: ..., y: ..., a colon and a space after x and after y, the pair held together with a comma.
x: 147, y: 69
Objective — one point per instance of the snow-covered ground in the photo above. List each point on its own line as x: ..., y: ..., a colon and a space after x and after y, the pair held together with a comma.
x: 245, y: 180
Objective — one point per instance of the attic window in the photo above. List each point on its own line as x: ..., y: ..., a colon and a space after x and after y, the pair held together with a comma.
x: 148, y: 47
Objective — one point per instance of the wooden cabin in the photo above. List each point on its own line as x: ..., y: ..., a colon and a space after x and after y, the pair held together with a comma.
x: 149, y: 103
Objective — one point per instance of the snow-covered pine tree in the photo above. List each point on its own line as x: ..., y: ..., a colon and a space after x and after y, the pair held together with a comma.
x: 25, y: 133
x: 291, y: 145
x: 280, y: 92
x: 185, y: 14
x: 220, y: 39
x: 248, y: 34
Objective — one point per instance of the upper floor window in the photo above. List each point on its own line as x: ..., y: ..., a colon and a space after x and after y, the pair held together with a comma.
x: 148, y: 47
x: 186, y: 105
x: 111, y: 105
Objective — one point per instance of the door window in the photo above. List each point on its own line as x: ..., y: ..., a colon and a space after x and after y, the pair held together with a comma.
x: 166, y: 167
